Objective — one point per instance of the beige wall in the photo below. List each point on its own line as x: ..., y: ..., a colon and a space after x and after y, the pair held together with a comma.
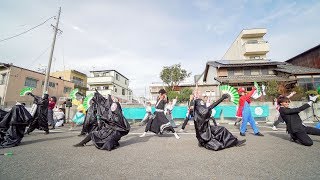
x: 241, y: 49
x: 69, y: 76
x: 16, y: 81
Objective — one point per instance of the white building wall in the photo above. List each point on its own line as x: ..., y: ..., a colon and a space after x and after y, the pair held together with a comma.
x: 212, y: 73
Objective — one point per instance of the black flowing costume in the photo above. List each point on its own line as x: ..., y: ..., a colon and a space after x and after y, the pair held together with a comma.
x: 13, y: 125
x: 112, y: 125
x: 90, y: 121
x: 159, y: 123
x: 211, y: 137
x: 40, y: 120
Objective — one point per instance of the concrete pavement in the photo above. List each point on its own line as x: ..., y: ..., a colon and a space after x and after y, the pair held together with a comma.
x: 53, y: 157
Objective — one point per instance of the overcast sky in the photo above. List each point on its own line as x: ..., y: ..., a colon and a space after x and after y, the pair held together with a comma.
x: 137, y: 37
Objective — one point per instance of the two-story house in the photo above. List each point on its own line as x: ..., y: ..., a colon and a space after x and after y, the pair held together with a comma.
x: 110, y: 82
x: 14, y: 78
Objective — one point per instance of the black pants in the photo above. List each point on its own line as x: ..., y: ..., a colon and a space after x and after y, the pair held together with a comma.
x: 148, y: 127
x: 34, y: 125
x: 86, y: 139
x: 279, y: 120
x: 185, y: 122
x: 303, y: 137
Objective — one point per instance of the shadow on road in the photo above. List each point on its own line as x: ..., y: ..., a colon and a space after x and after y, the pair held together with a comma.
x: 44, y: 139
x: 133, y: 139
x: 282, y: 136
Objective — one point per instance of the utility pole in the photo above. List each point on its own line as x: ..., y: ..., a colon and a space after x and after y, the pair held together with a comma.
x: 46, y: 82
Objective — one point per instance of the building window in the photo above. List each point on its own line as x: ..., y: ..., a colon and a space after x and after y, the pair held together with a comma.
x: 66, y: 90
x: 255, y: 57
x: 316, y: 82
x: 238, y: 72
x: 105, y: 87
x: 123, y: 91
x: 77, y: 81
x: 253, y: 41
x: 125, y: 82
x: 117, y: 77
x: 3, y: 78
x: 255, y: 72
x: 247, y: 72
x: 30, y: 82
x: 52, y: 84
x: 115, y: 89
x: 264, y: 71
x: 306, y: 83
x: 230, y: 72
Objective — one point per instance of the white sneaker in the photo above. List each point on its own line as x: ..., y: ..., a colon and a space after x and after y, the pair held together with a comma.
x: 274, y: 128
x: 143, y: 135
x: 176, y: 135
x: 181, y: 130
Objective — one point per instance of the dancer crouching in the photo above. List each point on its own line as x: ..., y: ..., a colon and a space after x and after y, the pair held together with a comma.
x: 112, y: 126
x: 299, y: 132
x: 212, y: 137
x: 160, y: 123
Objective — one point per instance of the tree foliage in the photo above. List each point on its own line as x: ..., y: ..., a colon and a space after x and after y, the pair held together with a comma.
x: 173, y: 75
x: 183, y: 95
x: 272, y: 89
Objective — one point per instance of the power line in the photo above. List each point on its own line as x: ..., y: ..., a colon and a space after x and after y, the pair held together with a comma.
x: 5, y: 39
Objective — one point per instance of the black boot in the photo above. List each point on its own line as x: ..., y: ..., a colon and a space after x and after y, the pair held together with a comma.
x: 241, y: 142
x: 83, y: 142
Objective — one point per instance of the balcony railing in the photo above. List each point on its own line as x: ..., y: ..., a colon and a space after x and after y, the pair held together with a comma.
x: 100, y: 80
x: 256, y: 48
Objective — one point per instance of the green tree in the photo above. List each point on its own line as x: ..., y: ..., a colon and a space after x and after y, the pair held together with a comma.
x: 173, y: 75
x: 173, y: 94
x: 272, y: 90
x: 185, y: 94
x: 300, y: 94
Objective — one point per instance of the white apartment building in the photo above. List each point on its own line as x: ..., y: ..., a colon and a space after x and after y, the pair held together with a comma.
x: 110, y: 82
x: 249, y: 45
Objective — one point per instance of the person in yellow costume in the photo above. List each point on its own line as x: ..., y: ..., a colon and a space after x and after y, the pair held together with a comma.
x: 79, y: 117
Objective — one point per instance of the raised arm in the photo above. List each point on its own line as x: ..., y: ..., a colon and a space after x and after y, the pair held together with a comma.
x: 248, y: 96
x: 223, y: 97
x: 288, y: 111
x: 291, y: 94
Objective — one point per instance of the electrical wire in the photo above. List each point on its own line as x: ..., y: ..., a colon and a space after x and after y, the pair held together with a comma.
x: 8, y: 38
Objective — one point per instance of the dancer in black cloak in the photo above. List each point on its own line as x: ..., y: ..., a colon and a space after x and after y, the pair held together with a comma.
x: 40, y: 120
x: 160, y: 123
x: 13, y: 126
x: 212, y: 137
x: 90, y: 122
x: 112, y: 126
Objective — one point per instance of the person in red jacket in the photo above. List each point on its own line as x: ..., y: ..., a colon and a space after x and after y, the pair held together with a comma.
x: 52, y: 104
x: 245, y: 112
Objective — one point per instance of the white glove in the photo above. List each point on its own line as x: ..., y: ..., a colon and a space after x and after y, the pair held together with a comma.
x: 313, y: 98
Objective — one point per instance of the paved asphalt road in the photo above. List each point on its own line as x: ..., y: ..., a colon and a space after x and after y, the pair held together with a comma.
x: 53, y: 157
